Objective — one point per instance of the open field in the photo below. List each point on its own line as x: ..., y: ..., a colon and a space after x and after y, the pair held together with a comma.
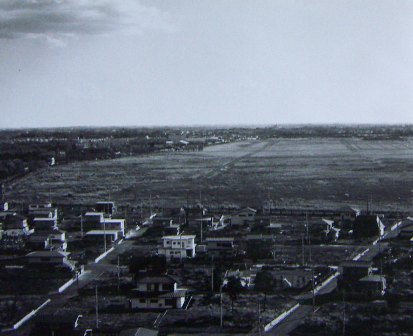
x: 313, y: 172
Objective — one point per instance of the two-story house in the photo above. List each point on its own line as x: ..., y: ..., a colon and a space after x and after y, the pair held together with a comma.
x: 178, y: 247
x: 157, y: 292
x: 220, y: 246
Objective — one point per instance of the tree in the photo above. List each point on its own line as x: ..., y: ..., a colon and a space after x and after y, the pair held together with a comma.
x: 264, y: 282
x: 233, y: 288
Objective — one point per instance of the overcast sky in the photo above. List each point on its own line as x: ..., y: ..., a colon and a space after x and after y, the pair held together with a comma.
x: 128, y: 62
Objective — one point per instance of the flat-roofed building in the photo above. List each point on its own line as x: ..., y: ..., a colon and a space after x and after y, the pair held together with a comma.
x: 178, y: 247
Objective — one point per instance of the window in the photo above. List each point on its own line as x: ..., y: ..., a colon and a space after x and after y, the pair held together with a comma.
x: 154, y: 300
x: 142, y: 300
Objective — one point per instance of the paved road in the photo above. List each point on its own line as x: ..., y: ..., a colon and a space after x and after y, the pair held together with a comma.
x: 92, y: 272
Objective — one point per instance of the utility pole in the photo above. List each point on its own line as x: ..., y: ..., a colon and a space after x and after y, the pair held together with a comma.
x: 221, y: 317
x: 312, y: 276
x: 81, y: 225
x: 104, y: 233
x: 344, y: 312
x: 118, y: 274
x: 259, y: 318
x: 302, y: 249
x: 212, y: 274
x: 273, y: 247
x: 202, y: 210
x: 97, y: 307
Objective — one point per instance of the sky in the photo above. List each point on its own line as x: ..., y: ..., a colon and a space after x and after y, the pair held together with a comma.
x: 215, y: 62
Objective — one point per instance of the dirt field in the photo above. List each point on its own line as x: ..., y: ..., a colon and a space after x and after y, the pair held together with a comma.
x: 319, y: 173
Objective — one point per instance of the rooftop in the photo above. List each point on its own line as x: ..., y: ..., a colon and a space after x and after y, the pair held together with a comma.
x: 211, y: 239
x: 356, y: 263
x: 47, y: 254
x: 102, y: 232
x: 162, y: 279
x: 373, y: 278
x: 179, y: 237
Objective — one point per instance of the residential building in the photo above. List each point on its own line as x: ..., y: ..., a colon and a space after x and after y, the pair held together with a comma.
x: 178, y: 247
x: 108, y: 208
x: 49, y: 258
x: 352, y: 270
x: 367, y: 226
x: 157, y: 292
x: 111, y: 236
x: 16, y: 225
x: 42, y: 211
x: 243, y: 218
x: 44, y: 224
x: 114, y: 224
x: 220, y: 246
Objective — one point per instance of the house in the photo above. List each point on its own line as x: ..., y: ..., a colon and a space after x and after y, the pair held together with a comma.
x: 222, y: 222
x: 358, y: 280
x: 92, y: 219
x: 15, y: 225
x: 114, y: 224
x: 406, y: 230
x: 108, y: 208
x: 111, y: 236
x: 352, y: 270
x: 42, y: 211
x: 372, y: 285
x: 37, y: 242
x: 161, y: 221
x: 347, y: 213
x: 49, y: 258
x: 44, y: 224
x: 367, y: 226
x: 98, y: 221
x: 243, y: 218
x: 220, y: 246
x: 53, y: 239
x: 178, y: 247
x: 139, y: 332
x: 65, y: 324
x: 157, y: 292
x: 323, y: 230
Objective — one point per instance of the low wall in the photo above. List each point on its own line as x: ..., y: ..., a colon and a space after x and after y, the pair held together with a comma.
x: 280, y: 317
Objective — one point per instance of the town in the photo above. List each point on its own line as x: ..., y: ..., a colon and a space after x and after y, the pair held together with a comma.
x: 104, y: 269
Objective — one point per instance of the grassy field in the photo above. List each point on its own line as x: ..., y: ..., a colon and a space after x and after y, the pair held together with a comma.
x: 318, y: 172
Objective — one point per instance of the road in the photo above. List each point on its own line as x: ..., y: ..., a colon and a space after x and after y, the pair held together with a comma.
x: 92, y: 272
x: 292, y: 321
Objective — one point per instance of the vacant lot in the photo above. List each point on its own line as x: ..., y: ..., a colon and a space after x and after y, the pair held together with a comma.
x: 322, y: 173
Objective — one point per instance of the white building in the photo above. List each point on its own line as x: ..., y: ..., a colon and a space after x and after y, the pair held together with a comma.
x: 101, y: 235
x: 245, y: 217
x: 114, y: 224
x: 179, y: 247
x: 158, y: 292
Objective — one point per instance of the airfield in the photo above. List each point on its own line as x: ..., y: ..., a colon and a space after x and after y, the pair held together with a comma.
x: 323, y: 173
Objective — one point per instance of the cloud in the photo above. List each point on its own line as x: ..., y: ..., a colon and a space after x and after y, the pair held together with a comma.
x: 57, y: 20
